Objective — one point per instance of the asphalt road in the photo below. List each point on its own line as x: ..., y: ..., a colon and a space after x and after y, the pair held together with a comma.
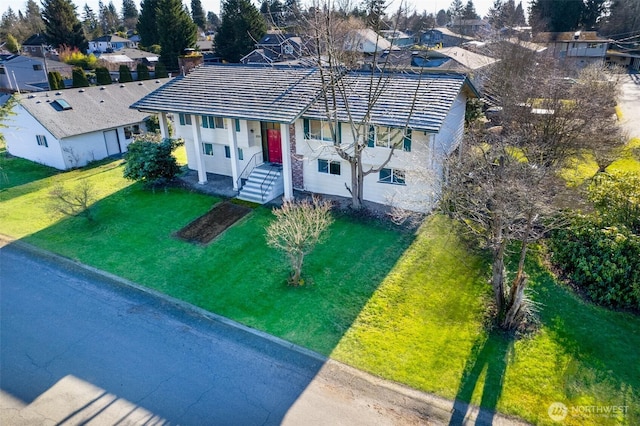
x: 76, y: 348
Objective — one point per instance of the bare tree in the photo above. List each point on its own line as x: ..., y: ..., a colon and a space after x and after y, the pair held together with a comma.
x: 72, y: 202
x: 504, y: 186
x: 342, y: 99
x: 296, y: 230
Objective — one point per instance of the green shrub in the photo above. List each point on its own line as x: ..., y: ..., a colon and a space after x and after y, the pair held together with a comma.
x: 616, y: 198
x: 79, y: 78
x: 153, y: 124
x: 125, y: 74
x: 604, y: 261
x: 150, y: 160
x: 143, y: 72
x: 103, y: 77
x: 55, y: 80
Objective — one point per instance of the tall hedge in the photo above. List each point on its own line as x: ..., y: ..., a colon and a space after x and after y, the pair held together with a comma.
x: 103, y: 77
x: 125, y: 74
x: 143, y: 72
x: 55, y: 80
x: 79, y: 78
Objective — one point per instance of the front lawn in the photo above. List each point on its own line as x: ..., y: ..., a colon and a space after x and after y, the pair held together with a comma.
x: 408, y: 308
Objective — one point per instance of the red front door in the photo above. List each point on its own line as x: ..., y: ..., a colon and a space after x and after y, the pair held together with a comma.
x: 275, y: 147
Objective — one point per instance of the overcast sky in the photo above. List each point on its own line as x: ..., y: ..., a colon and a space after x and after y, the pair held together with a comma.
x: 431, y: 6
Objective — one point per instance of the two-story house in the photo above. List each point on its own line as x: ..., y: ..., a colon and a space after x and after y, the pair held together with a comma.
x: 580, y: 47
x: 269, y: 130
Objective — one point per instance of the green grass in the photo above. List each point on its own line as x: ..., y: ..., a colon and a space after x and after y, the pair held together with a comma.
x: 424, y: 327
x: 407, y: 308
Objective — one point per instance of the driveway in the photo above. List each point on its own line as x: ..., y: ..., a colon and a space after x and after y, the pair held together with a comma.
x: 76, y: 347
x: 629, y: 103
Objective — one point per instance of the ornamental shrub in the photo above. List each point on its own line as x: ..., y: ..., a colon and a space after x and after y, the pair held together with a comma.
x: 79, y: 78
x: 125, y: 74
x: 603, y: 261
x: 103, y: 77
x: 143, y: 72
x: 150, y: 160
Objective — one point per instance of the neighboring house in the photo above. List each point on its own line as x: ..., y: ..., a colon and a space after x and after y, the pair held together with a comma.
x: 109, y: 44
x: 470, y: 27
x: 581, y: 47
x: 36, y: 45
x: 276, y: 47
x: 69, y: 128
x: 398, y: 38
x: 27, y: 74
x: 443, y: 37
x: 454, y: 59
x: 628, y: 59
x: 266, y: 128
x: 366, y: 41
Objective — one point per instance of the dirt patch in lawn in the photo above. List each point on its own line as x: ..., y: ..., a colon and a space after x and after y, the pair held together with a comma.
x: 205, y: 228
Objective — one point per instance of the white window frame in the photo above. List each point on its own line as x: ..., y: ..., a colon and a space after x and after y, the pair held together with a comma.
x: 205, y: 145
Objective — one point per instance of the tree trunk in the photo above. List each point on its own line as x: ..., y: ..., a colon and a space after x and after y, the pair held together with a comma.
x: 296, y: 264
x: 355, y: 191
x: 497, y: 276
x: 514, y: 310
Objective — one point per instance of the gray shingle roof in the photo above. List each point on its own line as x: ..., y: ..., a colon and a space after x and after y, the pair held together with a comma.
x: 275, y: 94
x: 93, y: 108
x: 434, y: 96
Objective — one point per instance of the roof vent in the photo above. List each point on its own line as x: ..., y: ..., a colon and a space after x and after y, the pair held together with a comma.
x: 58, y: 93
x: 81, y: 90
x: 122, y: 85
x: 38, y: 102
x: 31, y: 96
x: 101, y: 101
x: 157, y: 81
x: 140, y: 84
x: 103, y: 88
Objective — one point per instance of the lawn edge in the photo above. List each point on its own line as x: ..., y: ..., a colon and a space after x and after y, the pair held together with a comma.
x: 433, y: 407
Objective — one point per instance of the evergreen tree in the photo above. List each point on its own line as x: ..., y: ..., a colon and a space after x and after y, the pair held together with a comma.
x: 129, y: 14
x: 623, y: 19
x: 109, y: 19
x: 147, y: 23
x: 79, y: 78
x: 143, y: 72
x: 241, y: 25
x: 508, y: 14
x: 91, y: 23
x: 519, y: 18
x: 9, y: 22
x: 160, y: 71
x: 213, y: 21
x: 103, y: 77
x: 33, y: 17
x: 494, y: 15
x: 442, y: 18
x: 593, y: 11
x: 177, y: 31
x: 125, y: 74
x: 456, y: 9
x: 469, y: 11
x: 197, y: 13
x: 55, y: 80
x: 555, y: 16
x: 62, y: 26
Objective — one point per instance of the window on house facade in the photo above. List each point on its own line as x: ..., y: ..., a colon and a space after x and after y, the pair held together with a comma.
x: 394, y: 176
x: 237, y: 125
x: 42, y: 140
x: 131, y: 131
x: 227, y: 152
x: 207, y: 148
x: 185, y: 119
x: 320, y: 130
x: 387, y: 137
x: 329, y: 167
x: 211, y: 122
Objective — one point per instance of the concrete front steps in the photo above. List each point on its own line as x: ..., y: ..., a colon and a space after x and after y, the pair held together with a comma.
x: 264, y: 184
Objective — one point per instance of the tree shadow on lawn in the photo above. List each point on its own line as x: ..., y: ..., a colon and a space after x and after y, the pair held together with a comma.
x: 237, y: 275
x: 490, y: 355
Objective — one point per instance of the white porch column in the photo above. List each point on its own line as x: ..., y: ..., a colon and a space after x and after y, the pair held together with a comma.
x: 233, y: 150
x: 197, y: 145
x: 286, y: 162
x: 164, y: 125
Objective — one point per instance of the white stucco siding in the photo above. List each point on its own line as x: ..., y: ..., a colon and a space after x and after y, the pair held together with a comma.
x: 82, y: 149
x: 21, y: 136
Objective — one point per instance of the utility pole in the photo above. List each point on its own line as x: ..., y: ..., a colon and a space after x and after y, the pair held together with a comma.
x: 46, y: 69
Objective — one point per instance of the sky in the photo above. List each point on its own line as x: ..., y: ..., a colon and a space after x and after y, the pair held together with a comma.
x: 431, y: 6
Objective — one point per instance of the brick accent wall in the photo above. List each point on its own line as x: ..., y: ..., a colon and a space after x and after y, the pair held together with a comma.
x: 296, y: 162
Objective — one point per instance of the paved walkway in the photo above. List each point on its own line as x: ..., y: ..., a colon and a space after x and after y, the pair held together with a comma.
x: 629, y: 103
x: 78, y: 345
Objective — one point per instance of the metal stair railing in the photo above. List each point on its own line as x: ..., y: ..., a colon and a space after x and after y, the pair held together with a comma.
x: 252, y: 161
x: 263, y: 193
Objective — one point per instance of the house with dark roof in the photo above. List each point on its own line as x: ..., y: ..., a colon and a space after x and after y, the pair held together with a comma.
x: 109, y: 44
x: 276, y: 47
x: 70, y: 128
x: 580, y: 47
x: 268, y: 129
x: 36, y: 45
